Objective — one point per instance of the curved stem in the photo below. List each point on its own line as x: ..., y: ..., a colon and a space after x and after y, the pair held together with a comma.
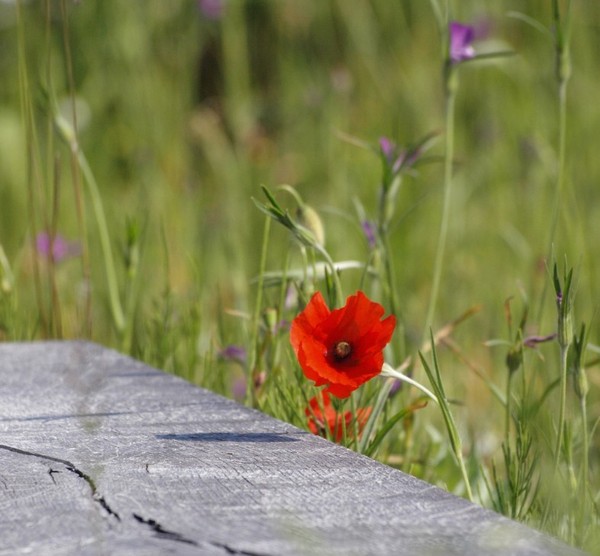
x: 109, y: 265
x: 388, y: 370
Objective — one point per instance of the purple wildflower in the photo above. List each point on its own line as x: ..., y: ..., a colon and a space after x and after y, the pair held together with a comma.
x: 57, y: 247
x: 533, y: 341
x: 368, y: 228
x: 461, y: 39
x: 211, y: 9
x: 233, y: 353
x: 392, y: 153
x: 396, y: 387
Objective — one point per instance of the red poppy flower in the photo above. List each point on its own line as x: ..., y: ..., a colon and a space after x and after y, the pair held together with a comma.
x: 342, y: 348
x: 327, y: 418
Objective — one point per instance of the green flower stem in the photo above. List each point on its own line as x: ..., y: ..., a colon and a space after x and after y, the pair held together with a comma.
x: 455, y: 442
x: 586, y: 442
x: 76, y: 173
x: 68, y: 134
x: 256, y: 316
x: 382, y: 397
x: 109, y: 265
x: 584, y: 481
x: 508, y: 408
x: 563, y: 74
x: 564, y: 369
x: 355, y: 431
x: 389, y: 272
x: 451, y: 86
x: 562, y: 150
x: 336, y: 279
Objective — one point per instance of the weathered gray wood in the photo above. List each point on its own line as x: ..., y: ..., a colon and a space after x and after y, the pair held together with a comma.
x: 100, y: 454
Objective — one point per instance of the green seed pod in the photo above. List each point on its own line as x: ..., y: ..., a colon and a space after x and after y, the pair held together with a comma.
x: 581, y: 385
x: 577, y: 368
x: 271, y: 318
x: 309, y: 218
x: 565, y: 328
x: 514, y: 358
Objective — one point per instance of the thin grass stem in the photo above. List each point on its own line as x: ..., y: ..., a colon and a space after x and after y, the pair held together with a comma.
x: 564, y: 351
x: 508, y: 411
x: 455, y: 441
x: 255, y: 334
x: 109, y: 264
x: 448, y: 186
x: 76, y: 177
x: 33, y: 173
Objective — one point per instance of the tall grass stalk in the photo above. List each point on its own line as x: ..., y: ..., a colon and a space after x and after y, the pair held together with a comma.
x: 451, y: 89
x: 562, y: 27
x: 69, y: 135
x: 564, y: 304
x: 76, y: 178
x: 562, y: 36
x: 255, y: 330
x: 108, y: 258
x: 437, y: 384
x: 33, y: 177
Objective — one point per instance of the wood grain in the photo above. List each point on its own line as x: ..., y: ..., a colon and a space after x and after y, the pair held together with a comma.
x: 101, y: 454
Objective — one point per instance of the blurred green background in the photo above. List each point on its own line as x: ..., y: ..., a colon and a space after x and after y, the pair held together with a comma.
x: 183, y: 113
x: 184, y: 108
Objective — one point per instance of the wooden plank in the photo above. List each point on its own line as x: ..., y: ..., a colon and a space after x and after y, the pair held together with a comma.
x: 100, y: 454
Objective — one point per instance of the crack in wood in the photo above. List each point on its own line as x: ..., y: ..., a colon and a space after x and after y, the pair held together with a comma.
x: 51, y: 472
x: 69, y: 466
x: 230, y: 550
x: 96, y: 496
x: 163, y: 533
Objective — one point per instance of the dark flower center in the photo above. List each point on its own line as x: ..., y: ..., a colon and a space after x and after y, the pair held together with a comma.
x: 341, y: 350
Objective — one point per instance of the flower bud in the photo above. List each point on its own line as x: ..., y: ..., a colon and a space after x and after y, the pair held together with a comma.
x: 581, y: 384
x: 514, y: 358
x: 271, y: 319
x: 309, y: 218
x: 564, y: 306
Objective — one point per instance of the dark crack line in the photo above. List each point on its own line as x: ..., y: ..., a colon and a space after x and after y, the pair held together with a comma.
x: 96, y: 497
x: 163, y: 533
x: 51, y: 472
x: 230, y: 550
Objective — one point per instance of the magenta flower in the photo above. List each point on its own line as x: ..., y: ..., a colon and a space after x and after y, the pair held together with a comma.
x: 461, y: 39
x: 370, y: 231
x: 396, y: 158
x: 533, y: 341
x: 57, y: 248
x: 393, y: 155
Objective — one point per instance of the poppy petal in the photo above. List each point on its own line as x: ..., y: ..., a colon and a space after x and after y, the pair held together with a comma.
x: 317, y: 333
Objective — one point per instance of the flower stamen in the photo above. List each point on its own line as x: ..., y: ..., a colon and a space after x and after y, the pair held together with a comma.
x: 342, y: 350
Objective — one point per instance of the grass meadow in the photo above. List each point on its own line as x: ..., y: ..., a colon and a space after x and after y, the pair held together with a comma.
x: 151, y: 151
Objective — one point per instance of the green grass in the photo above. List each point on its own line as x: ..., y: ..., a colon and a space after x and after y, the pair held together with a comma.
x: 182, y: 119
